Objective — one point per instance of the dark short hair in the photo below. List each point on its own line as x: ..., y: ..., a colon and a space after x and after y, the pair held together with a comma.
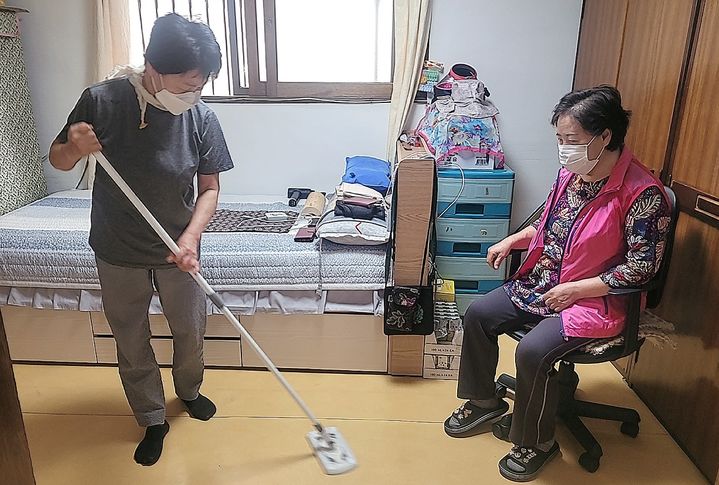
x: 596, y: 109
x: 178, y: 45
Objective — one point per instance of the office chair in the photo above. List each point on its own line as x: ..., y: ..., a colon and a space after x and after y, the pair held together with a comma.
x: 570, y: 409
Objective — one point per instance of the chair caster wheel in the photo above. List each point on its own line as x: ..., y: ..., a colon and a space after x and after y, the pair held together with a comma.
x: 500, y: 429
x: 630, y: 429
x: 589, y: 462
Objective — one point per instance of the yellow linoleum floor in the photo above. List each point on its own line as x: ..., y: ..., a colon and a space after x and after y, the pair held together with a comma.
x: 81, y: 431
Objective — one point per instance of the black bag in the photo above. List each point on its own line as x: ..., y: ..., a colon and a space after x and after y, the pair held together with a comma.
x: 409, y: 310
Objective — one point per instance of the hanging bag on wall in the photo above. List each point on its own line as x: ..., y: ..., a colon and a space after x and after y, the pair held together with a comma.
x: 409, y: 309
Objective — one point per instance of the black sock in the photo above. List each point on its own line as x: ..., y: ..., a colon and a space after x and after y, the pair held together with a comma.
x: 150, y: 448
x: 200, y: 408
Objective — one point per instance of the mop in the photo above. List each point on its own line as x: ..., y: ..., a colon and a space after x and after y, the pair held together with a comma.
x: 328, y: 445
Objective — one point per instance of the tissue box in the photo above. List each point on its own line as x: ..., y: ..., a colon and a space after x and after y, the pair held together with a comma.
x: 445, y: 292
x: 470, y: 160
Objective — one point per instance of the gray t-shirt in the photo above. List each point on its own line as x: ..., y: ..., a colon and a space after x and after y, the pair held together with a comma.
x: 158, y: 162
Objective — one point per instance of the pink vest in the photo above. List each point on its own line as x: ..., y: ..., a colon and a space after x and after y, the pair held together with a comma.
x: 596, y: 243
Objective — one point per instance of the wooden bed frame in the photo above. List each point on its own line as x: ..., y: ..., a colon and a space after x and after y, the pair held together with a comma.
x: 333, y: 342
x: 336, y: 342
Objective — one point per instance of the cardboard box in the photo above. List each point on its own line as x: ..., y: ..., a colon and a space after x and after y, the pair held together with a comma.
x: 447, y: 337
x: 440, y: 374
x: 444, y: 347
x: 441, y: 366
x: 442, y: 362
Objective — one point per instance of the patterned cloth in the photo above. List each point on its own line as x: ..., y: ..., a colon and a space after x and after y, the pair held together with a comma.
x: 446, y: 136
x: 21, y: 175
x: 645, y: 229
x: 226, y: 220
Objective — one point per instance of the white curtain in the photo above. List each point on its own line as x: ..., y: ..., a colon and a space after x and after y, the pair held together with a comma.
x: 112, y: 38
x: 411, y: 34
x: 112, y: 34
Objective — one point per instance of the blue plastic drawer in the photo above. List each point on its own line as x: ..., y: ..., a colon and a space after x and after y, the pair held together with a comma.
x: 475, y: 287
x: 452, y: 248
x: 469, y: 269
x: 472, y: 230
x: 480, y: 190
x: 464, y: 301
x: 455, y: 173
x: 474, y: 210
x: 469, y: 237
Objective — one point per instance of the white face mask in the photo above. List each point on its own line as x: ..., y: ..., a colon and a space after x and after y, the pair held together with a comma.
x: 176, y: 103
x: 575, y: 159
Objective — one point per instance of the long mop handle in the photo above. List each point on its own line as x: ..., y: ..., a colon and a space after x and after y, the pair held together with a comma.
x: 214, y: 297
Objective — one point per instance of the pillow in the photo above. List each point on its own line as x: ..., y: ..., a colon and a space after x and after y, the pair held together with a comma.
x: 368, y: 171
x: 352, y: 232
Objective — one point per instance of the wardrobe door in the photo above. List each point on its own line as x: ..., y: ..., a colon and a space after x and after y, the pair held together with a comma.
x: 696, y: 161
x: 640, y: 46
x: 681, y: 385
x: 656, y: 35
x: 600, y: 42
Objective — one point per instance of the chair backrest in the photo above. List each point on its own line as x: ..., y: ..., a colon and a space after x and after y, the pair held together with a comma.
x: 654, y: 295
x: 655, y: 287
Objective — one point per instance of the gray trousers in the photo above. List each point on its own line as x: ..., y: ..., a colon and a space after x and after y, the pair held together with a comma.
x: 536, y: 396
x: 126, y: 295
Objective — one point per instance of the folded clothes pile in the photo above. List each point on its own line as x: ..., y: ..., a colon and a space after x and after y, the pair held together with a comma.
x: 356, y: 213
x: 358, y: 202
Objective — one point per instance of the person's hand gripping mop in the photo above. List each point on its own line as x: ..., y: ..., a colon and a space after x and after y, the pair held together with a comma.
x: 334, y: 455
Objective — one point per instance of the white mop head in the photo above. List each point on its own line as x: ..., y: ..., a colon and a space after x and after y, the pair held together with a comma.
x: 332, y: 451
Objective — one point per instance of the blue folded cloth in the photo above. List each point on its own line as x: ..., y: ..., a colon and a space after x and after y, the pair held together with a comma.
x: 368, y: 171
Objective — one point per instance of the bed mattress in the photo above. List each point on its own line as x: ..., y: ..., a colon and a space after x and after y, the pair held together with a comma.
x: 44, y: 254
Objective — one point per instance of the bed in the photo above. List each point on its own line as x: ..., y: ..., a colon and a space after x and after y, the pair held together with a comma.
x: 310, y: 305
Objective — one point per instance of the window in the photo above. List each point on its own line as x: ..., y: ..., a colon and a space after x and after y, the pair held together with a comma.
x: 287, y: 48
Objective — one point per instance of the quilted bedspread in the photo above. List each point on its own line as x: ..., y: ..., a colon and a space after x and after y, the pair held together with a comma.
x: 45, y: 245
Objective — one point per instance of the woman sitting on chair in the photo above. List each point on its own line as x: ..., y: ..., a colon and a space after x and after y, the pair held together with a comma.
x: 604, y: 226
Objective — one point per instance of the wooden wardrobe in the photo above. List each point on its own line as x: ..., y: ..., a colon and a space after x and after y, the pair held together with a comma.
x: 663, y: 56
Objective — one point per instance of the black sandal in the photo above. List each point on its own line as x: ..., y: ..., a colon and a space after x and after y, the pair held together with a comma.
x: 467, y: 420
x: 523, y: 464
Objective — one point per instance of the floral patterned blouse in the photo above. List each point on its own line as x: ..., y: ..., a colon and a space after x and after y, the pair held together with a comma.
x: 645, y: 229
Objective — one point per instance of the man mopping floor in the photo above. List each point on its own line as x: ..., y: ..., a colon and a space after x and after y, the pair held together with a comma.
x: 159, y: 135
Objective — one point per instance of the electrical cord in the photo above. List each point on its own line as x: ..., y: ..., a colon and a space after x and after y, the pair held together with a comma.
x: 459, y: 194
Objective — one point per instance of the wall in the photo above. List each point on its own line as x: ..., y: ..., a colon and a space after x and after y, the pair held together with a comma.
x: 57, y: 39
x: 524, y: 51
x: 298, y: 145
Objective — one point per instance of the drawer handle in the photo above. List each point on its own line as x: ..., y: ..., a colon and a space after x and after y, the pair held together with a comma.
x: 470, y: 209
x: 707, y: 206
x: 483, y: 232
x: 467, y: 248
